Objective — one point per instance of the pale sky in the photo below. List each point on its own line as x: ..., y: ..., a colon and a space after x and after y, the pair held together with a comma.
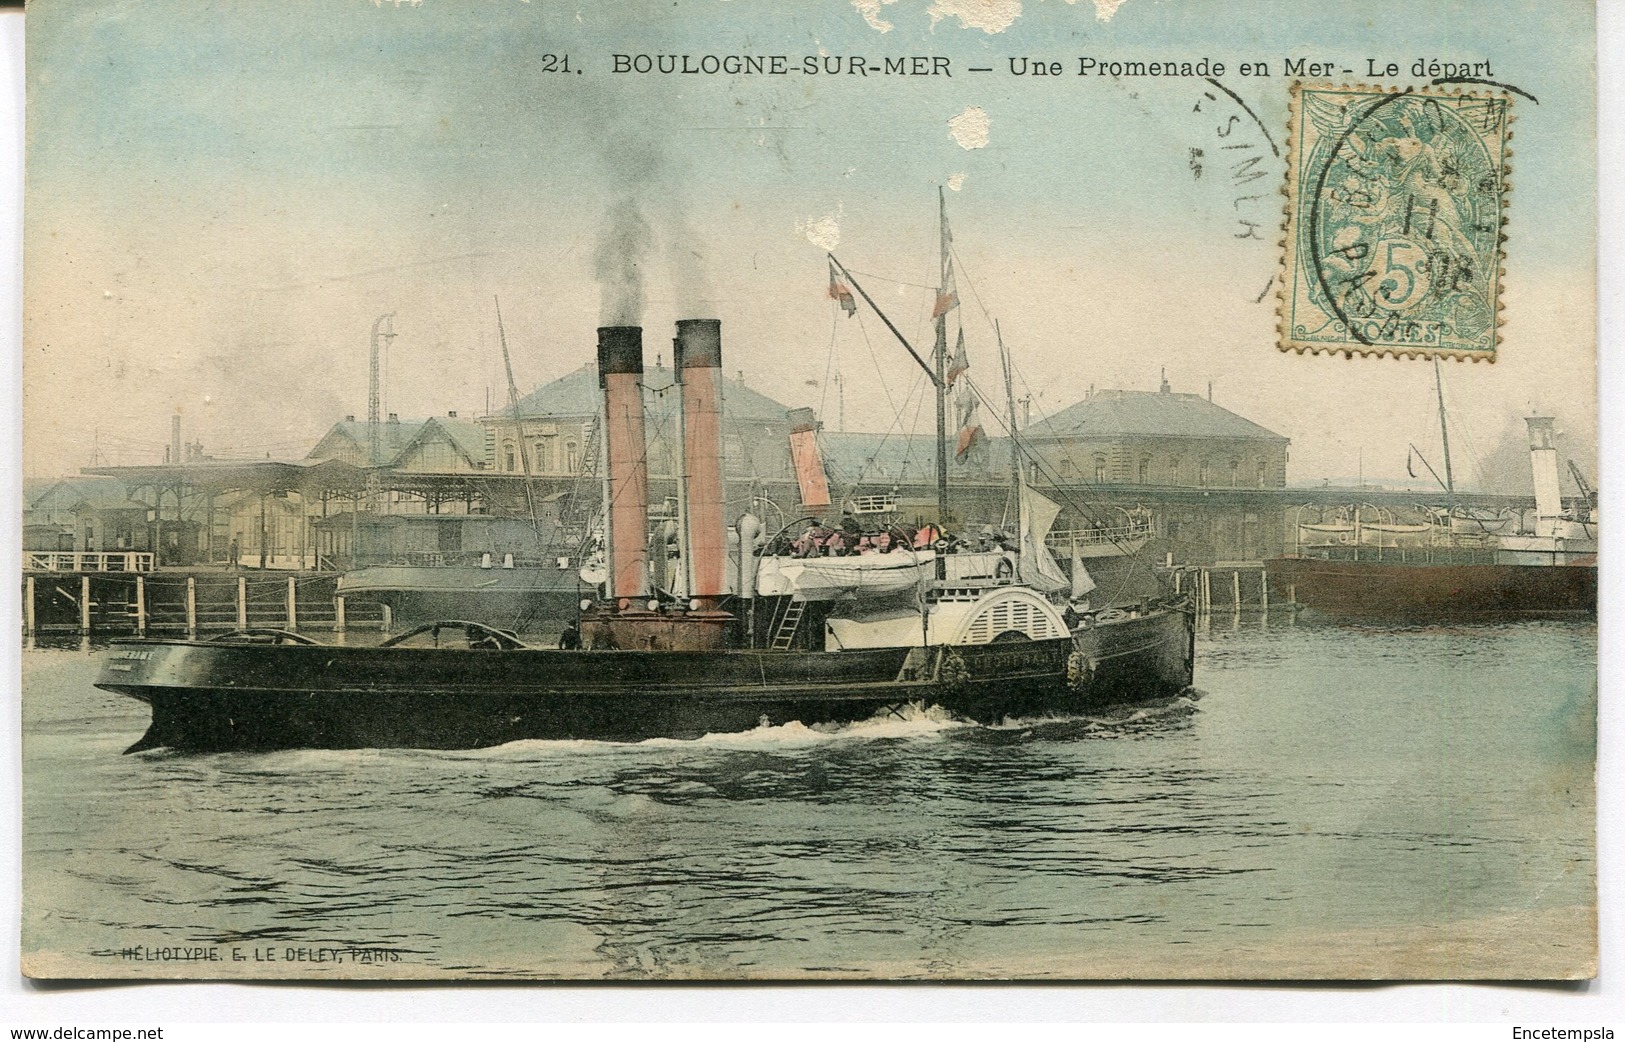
x: 219, y: 205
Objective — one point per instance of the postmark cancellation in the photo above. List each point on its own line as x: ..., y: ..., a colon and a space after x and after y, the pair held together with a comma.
x: 1396, y: 200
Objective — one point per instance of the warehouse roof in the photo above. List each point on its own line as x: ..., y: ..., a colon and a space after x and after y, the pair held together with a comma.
x: 1106, y: 414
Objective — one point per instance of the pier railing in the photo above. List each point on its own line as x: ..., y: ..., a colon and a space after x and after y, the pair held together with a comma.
x: 70, y: 561
x: 115, y: 603
x: 1061, y: 538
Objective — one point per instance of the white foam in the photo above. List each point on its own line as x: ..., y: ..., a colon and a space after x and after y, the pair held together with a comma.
x: 1177, y: 706
x: 910, y: 721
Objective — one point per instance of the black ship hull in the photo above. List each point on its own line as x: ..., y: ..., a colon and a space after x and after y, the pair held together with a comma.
x: 1409, y: 592
x: 226, y: 696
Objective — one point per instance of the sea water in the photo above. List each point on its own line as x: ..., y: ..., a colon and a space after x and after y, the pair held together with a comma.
x: 1330, y: 801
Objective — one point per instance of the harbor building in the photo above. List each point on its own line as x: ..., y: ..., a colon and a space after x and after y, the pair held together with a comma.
x: 555, y: 425
x: 1209, y: 484
x: 1213, y: 481
x: 1162, y: 437
x: 438, y: 445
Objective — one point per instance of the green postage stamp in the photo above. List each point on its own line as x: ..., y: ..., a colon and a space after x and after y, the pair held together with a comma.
x: 1395, y: 204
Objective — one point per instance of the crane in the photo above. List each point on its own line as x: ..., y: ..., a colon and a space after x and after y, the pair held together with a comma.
x: 383, y: 330
x: 1586, y: 491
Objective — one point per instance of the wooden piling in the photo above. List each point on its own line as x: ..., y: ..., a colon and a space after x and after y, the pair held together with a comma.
x: 1291, y: 593
x: 293, y: 605
x: 141, y: 606
x: 1264, y: 591
x: 1207, y: 590
x: 384, y: 625
x: 1235, y: 589
x: 84, y: 604
x: 191, y: 606
x: 242, y: 602
x: 338, y: 614
x: 28, y: 607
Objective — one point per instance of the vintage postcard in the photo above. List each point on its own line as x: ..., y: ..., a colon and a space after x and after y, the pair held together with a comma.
x: 857, y: 489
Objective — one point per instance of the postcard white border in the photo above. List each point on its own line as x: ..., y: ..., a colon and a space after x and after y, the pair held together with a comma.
x: 1599, y: 1002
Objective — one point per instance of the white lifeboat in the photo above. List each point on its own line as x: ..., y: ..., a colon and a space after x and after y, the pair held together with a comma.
x: 857, y: 577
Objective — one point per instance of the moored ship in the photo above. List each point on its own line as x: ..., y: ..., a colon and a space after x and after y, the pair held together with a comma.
x: 1443, y: 568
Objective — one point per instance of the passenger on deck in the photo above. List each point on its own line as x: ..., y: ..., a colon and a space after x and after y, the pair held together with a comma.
x: 809, y: 543
x: 570, y: 639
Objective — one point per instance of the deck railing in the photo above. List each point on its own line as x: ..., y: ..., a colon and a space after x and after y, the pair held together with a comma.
x: 71, y: 561
x: 1061, y: 538
x: 884, y: 503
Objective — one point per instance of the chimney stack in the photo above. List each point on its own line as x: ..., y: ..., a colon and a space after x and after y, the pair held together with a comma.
x: 620, y: 375
x: 175, y: 437
x: 1543, y: 465
x: 807, y: 460
x: 697, y: 363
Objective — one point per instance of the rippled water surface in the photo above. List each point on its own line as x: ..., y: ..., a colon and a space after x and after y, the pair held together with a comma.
x: 1326, y: 787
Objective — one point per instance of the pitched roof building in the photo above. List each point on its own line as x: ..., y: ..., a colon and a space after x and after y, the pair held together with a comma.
x: 1158, y: 438
x: 438, y: 445
x: 557, y: 420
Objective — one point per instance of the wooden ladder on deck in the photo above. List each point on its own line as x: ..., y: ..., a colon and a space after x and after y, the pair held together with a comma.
x: 785, y: 635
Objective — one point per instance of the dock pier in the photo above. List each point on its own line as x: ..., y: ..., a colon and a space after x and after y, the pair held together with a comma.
x: 87, y: 594
x: 1242, y: 586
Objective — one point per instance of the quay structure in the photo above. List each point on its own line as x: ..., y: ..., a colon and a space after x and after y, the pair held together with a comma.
x: 212, y: 544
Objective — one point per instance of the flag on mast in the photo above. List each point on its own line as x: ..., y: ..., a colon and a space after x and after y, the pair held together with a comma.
x: 948, y: 296
x: 970, y: 430
x: 839, y: 292
x: 947, y: 292
x: 960, y: 362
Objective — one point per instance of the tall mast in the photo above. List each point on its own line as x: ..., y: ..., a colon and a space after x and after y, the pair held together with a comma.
x: 519, y: 428
x: 1016, y: 473
x: 1444, y: 434
x: 944, y: 287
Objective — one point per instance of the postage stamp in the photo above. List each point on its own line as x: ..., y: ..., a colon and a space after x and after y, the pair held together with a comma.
x: 1395, y: 205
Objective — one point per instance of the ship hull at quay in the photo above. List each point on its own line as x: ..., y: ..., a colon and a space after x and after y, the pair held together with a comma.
x: 1366, y: 589
x: 212, y: 696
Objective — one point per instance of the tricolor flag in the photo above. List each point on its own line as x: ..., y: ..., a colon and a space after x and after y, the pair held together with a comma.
x: 967, y: 441
x: 970, y: 431
x: 948, y: 296
x: 839, y: 292
x: 959, y: 363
